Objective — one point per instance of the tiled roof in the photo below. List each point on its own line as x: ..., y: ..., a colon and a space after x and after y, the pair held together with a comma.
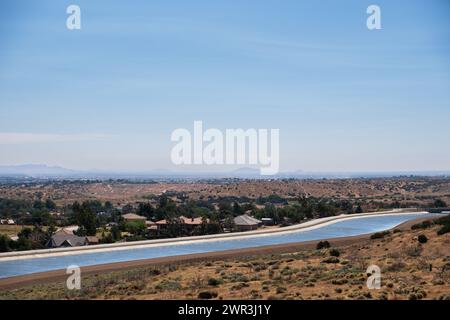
x: 194, y: 221
x: 185, y: 220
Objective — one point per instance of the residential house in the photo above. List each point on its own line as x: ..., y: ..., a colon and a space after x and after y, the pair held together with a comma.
x: 188, y: 224
x: 151, y: 226
x: 192, y: 221
x: 267, y: 221
x: 245, y: 222
x: 92, y: 240
x: 62, y: 239
x: 68, y: 229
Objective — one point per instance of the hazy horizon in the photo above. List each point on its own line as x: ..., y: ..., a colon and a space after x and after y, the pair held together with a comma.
x: 44, y: 170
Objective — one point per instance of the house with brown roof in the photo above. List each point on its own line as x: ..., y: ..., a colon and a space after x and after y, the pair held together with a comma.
x: 151, y: 226
x: 191, y: 221
x: 92, y: 240
x: 187, y: 223
x: 184, y: 221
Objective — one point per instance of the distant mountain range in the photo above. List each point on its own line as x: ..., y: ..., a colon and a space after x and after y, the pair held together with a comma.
x: 46, y: 171
x: 35, y: 170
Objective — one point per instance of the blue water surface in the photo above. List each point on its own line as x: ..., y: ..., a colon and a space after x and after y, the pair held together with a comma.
x: 341, y: 228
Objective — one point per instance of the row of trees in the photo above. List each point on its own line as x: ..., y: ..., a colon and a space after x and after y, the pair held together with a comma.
x: 28, y: 239
x: 28, y: 212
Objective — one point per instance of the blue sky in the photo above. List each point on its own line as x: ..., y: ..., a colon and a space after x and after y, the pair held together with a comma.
x: 109, y: 95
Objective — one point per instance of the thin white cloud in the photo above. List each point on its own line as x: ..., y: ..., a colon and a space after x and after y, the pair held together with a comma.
x: 21, y: 138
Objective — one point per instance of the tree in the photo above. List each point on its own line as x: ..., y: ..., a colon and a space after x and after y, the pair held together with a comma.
x: 5, y: 243
x: 41, y: 217
x: 325, y: 210
x: 322, y: 245
x: 163, y: 200
x: 23, y: 243
x: 228, y: 223
x: 225, y: 209
x: 166, y: 207
x: 108, y: 206
x: 270, y: 211
x: 38, y: 204
x: 137, y: 228
x: 174, y: 228
x: 115, y: 233
x: 334, y: 252
x: 50, y: 204
x: 106, y: 238
x: 51, y: 230
x: 438, y: 203
x: 237, y: 209
x: 128, y: 208
x: 85, y: 219
x: 358, y: 209
x: 422, y: 238
x: 25, y: 233
x: 145, y: 209
x: 210, y: 227
x: 306, y: 207
x: 346, y: 206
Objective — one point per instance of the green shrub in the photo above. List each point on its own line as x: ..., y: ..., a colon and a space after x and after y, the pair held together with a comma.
x: 334, y: 252
x: 207, y: 295
x: 379, y: 235
x: 168, y: 285
x: 237, y: 277
x: 422, y: 225
x: 214, y: 282
x: 422, y: 238
x: 444, y: 229
x: 413, y: 251
x: 280, y: 290
x: 331, y: 260
x: 396, y: 266
x: 445, y: 222
x: 322, y: 245
x: 239, y: 286
x: 5, y: 243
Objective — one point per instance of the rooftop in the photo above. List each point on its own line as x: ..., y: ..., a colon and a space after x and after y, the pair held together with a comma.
x: 133, y: 216
x: 246, y: 220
